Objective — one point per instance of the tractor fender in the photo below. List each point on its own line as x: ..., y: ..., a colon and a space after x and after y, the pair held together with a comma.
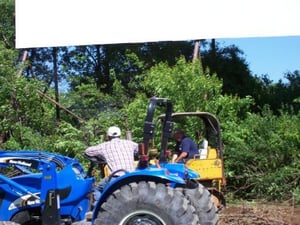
x: 181, y: 170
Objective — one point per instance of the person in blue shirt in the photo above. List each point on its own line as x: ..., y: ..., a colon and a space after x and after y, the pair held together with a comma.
x: 185, y: 147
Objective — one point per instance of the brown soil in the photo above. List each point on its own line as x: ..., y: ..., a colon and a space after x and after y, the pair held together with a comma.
x: 260, y: 214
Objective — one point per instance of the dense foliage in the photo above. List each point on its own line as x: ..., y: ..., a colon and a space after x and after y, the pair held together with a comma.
x: 111, y: 84
x: 262, y: 156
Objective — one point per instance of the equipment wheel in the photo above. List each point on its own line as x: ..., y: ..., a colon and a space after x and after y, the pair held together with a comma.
x: 8, y: 223
x: 146, y: 203
x: 201, y: 200
x: 23, y: 217
x: 82, y: 223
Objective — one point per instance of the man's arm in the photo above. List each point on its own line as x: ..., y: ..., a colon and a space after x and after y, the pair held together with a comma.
x: 92, y: 151
x: 181, y: 156
x: 136, y: 148
x: 174, y: 157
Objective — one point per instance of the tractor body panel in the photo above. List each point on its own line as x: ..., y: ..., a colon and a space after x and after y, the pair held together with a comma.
x: 30, y: 177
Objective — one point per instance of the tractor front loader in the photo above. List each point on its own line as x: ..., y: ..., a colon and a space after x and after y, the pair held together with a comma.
x: 42, y: 188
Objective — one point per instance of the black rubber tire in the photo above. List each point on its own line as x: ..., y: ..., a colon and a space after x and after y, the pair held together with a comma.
x: 8, y: 223
x: 82, y: 223
x: 163, y: 206
x: 205, y: 208
x: 23, y: 218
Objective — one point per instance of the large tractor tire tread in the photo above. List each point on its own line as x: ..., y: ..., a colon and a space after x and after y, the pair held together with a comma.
x: 147, y: 203
x: 205, y: 208
x: 23, y: 217
x: 8, y: 223
x: 82, y: 223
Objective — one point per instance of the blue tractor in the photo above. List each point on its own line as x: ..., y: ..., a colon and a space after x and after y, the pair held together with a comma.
x: 154, y: 194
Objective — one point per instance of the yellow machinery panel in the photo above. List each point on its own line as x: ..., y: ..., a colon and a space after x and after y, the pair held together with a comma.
x: 209, y: 169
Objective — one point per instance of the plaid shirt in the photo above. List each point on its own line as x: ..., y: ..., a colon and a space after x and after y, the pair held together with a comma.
x: 118, y: 153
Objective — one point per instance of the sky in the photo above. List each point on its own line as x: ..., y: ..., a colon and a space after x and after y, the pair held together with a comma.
x: 269, y: 55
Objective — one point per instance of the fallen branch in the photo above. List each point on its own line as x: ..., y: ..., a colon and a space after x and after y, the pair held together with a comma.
x: 59, y: 105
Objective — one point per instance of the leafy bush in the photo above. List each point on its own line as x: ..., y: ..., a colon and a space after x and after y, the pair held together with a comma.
x: 261, y: 157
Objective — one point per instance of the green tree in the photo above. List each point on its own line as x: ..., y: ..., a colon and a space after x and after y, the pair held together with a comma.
x: 279, y: 95
x: 190, y: 90
x: 230, y: 65
x: 126, y: 60
x: 293, y: 89
x: 7, y: 23
x: 23, y: 113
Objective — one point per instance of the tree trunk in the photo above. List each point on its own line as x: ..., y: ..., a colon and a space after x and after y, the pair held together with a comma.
x: 197, y: 53
x: 214, y: 54
x: 196, y: 50
x: 55, y: 74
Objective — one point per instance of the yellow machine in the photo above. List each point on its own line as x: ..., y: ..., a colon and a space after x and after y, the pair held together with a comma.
x: 204, y: 127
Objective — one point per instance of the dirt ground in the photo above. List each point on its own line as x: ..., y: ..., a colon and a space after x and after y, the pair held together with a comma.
x: 260, y: 214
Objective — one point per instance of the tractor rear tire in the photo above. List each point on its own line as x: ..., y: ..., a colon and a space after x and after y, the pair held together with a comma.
x: 82, y: 223
x: 205, y: 208
x: 146, y: 203
x: 8, y: 223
